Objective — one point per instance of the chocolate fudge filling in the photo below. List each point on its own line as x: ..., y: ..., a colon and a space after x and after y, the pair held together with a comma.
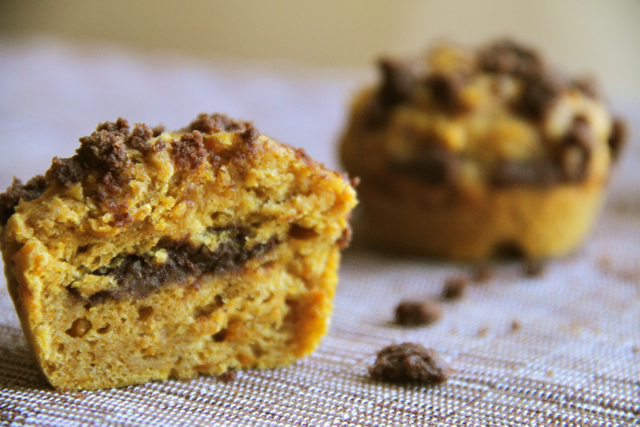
x: 139, y: 275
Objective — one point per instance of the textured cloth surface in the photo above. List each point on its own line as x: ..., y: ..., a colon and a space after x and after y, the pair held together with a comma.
x: 559, y: 349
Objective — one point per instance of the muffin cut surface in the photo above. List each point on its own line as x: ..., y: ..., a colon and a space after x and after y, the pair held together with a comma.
x: 154, y: 254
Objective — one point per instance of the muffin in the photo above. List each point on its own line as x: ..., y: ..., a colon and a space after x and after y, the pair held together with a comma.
x: 471, y: 155
x: 151, y: 255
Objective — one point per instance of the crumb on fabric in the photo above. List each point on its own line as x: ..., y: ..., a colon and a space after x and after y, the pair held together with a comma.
x: 228, y: 376
x: 454, y: 288
x: 410, y: 313
x: 482, y: 274
x: 534, y: 268
x: 409, y: 362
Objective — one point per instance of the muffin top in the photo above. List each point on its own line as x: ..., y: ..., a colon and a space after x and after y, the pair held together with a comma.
x: 498, y: 116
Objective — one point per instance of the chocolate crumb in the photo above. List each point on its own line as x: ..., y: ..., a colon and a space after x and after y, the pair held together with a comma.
x: 617, y: 138
x: 482, y: 331
x: 16, y: 192
x: 576, y: 150
x: 454, y: 288
x: 345, y: 239
x: 635, y: 348
x: 410, y: 313
x: 409, y: 362
x: 216, y: 123
x: 516, y: 325
x: 538, y: 96
x: 139, y: 138
x: 66, y: 172
x: 189, y: 152
x: 398, y: 82
x: 534, y: 268
x: 103, y: 149
x: 446, y: 92
x: 511, y: 58
x: 250, y: 135
x: 482, y: 274
x: 228, y: 376
x: 157, y: 130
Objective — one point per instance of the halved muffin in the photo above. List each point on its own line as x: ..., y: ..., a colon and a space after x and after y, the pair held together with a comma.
x: 153, y: 254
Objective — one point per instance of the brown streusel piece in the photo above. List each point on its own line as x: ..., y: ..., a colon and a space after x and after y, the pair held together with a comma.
x: 409, y: 362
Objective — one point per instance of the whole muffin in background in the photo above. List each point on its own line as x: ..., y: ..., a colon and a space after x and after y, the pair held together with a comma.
x: 471, y: 155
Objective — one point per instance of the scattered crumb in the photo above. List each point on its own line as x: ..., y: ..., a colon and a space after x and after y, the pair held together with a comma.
x: 516, y: 325
x: 409, y: 362
x: 228, y: 376
x: 454, y: 287
x: 606, y: 266
x: 409, y: 313
x: 482, y: 331
x: 482, y: 274
x: 635, y: 348
x: 534, y: 268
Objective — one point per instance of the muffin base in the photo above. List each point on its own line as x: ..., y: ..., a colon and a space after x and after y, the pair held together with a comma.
x: 527, y: 222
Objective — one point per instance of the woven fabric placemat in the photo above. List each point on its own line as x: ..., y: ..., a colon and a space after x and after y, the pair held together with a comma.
x: 562, y: 348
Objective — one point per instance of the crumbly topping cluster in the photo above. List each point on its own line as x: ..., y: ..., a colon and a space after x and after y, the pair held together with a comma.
x: 503, y: 93
x: 106, y: 156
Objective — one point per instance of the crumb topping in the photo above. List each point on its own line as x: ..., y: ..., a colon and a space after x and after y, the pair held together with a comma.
x: 508, y: 57
x: 105, y: 159
x: 500, y: 115
x: 18, y: 191
x: 189, y: 152
x: 617, y: 137
x: 215, y: 123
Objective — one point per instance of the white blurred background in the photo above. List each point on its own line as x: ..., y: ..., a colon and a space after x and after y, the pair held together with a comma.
x: 600, y: 36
